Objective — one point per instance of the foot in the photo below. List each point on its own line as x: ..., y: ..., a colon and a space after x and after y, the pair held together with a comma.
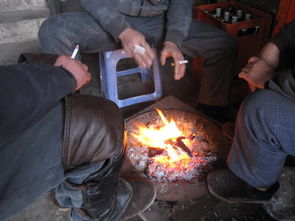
x: 143, y: 197
x: 223, y: 184
x: 121, y: 199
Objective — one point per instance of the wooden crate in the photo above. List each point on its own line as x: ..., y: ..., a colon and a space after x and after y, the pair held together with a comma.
x: 248, y: 45
x: 285, y: 14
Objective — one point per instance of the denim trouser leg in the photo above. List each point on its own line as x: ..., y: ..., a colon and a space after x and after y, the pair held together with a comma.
x: 264, y: 137
x: 69, y: 196
x: 59, y: 35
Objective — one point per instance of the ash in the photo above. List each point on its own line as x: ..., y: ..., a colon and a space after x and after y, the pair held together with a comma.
x: 139, y: 157
x: 198, y: 167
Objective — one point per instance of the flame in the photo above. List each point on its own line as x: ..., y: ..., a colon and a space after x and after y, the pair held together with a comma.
x: 157, y: 137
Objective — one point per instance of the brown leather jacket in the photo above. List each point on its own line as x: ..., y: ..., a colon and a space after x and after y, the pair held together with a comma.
x: 93, y: 130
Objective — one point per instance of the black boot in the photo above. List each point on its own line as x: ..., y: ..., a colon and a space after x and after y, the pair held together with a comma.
x: 105, y: 197
x: 225, y: 185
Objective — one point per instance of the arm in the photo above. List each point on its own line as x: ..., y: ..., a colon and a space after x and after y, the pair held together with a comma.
x: 107, y: 14
x: 262, y: 68
x: 284, y: 41
x: 29, y: 91
x: 284, y: 81
x: 179, y: 17
x: 279, y: 52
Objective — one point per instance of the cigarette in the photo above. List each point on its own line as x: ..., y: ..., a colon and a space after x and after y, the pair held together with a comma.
x: 139, y: 49
x: 75, y: 52
x: 180, y: 62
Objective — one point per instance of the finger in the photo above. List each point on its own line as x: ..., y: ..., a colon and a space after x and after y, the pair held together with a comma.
x: 179, y: 71
x: 243, y: 75
x: 163, y: 57
x: 149, y: 51
x: 85, y: 67
x: 148, y: 60
x: 88, y: 76
x: 140, y: 61
x: 253, y: 59
x: 177, y: 68
x: 141, y: 56
x: 246, y: 70
x: 249, y: 65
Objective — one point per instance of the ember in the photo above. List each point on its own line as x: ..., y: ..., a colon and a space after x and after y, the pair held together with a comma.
x: 169, y: 151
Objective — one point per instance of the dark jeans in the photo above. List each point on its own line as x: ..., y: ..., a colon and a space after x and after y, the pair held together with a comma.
x: 60, y: 34
x: 264, y: 136
x: 31, y: 165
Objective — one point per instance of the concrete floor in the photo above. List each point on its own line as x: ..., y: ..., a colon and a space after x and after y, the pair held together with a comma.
x: 205, y: 208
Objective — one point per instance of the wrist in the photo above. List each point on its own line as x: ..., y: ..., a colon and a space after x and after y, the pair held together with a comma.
x: 170, y: 43
x: 121, y: 35
x: 125, y: 33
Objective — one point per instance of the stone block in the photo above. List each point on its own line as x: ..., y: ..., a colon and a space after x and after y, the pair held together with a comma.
x: 24, y: 30
x: 12, y: 5
x: 11, y: 52
x: 27, y: 14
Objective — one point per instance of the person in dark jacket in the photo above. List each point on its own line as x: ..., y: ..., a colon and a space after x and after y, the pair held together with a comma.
x: 265, y: 125
x: 165, y: 24
x: 52, y: 139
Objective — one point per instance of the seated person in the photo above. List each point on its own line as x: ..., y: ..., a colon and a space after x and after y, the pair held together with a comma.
x: 264, y: 134
x: 167, y: 25
x: 73, y: 145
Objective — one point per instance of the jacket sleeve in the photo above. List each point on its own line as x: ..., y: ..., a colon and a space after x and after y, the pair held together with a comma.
x: 284, y: 81
x: 179, y: 17
x: 27, y: 92
x: 107, y: 14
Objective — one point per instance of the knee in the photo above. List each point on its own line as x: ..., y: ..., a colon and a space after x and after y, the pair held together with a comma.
x: 225, y: 48
x: 50, y: 31
x: 256, y: 107
x: 111, y: 124
x: 94, y: 130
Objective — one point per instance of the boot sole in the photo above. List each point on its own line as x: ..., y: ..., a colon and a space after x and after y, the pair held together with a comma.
x: 149, y: 199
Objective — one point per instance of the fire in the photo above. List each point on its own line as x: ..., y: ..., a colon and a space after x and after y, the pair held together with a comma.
x: 165, y: 138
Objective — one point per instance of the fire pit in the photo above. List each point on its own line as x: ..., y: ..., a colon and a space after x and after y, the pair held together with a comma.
x: 174, y: 149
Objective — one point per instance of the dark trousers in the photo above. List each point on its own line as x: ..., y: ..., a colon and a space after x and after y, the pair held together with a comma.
x: 59, y: 34
x: 31, y: 165
x: 264, y: 137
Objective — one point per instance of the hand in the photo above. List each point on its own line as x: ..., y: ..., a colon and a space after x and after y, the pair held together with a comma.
x: 129, y: 38
x: 257, y: 72
x: 78, y: 70
x: 171, y: 50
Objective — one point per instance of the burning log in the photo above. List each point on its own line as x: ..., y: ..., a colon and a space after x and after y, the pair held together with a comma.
x: 179, y: 144
x: 153, y: 151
